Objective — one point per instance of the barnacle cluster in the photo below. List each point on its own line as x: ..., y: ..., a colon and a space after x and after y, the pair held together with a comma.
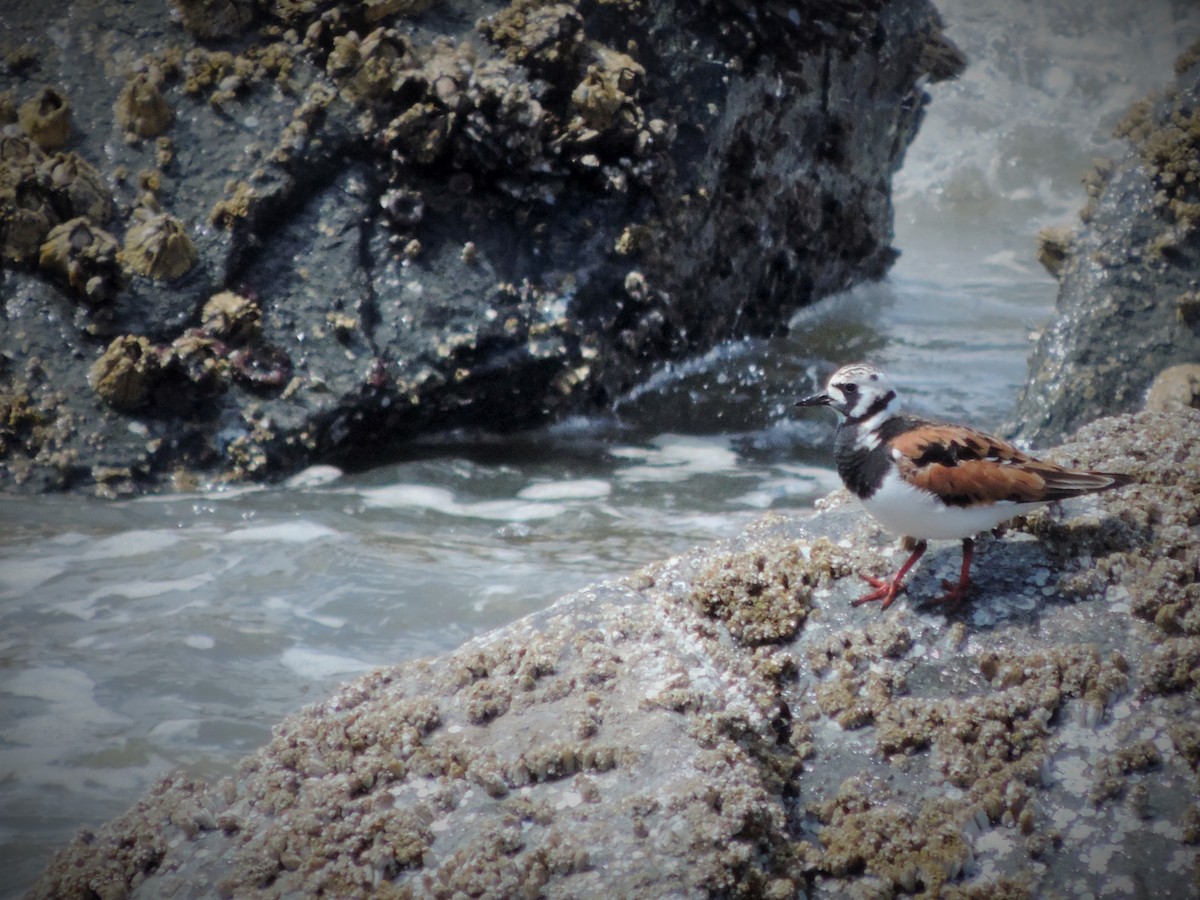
x: 84, y: 256
x: 141, y: 109
x: 38, y: 192
x: 226, y: 347
x: 1161, y: 512
x: 537, y: 99
x: 762, y: 598
x: 75, y: 186
x: 46, y: 118
x: 1166, y: 133
x: 126, y: 372
x: 157, y: 244
x: 33, y: 428
x: 231, y: 317
x: 208, y: 19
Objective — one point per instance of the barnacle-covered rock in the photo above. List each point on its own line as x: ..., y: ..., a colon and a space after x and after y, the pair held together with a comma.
x: 141, y: 109
x: 506, y: 127
x: 378, y: 10
x: 25, y: 220
x: 404, y: 207
x: 158, y: 245
x: 208, y: 19
x: 199, y: 358
x: 366, y: 69
x: 76, y: 187
x: 82, y: 255
x: 125, y: 374
x: 604, y: 102
x: 420, y: 134
x: 8, y: 107
x: 38, y: 192
x: 231, y: 317
x: 545, y: 38
x: 46, y: 118
x: 18, y: 154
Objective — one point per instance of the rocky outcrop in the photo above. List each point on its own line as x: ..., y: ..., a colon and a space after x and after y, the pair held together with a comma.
x: 1128, y: 306
x: 445, y: 214
x: 724, y: 723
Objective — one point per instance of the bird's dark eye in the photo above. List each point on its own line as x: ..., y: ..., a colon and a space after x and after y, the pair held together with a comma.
x: 849, y: 389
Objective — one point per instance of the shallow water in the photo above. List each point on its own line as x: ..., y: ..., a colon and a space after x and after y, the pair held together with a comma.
x: 142, y: 635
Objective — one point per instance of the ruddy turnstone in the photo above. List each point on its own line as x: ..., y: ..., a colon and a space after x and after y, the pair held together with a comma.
x: 933, y: 480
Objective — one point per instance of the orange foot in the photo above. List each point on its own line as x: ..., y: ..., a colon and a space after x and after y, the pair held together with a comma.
x: 956, y: 592
x: 885, y: 590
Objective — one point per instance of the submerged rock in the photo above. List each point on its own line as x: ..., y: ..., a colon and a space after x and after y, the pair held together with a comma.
x: 726, y: 723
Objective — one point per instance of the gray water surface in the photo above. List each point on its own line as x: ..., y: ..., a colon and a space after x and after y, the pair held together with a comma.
x: 139, y: 636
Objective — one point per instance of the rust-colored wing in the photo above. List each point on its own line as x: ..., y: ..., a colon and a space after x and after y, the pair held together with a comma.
x: 967, y: 468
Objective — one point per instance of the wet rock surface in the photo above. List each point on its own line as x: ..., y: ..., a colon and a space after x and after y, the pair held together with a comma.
x: 1127, y: 307
x: 448, y: 214
x: 724, y: 723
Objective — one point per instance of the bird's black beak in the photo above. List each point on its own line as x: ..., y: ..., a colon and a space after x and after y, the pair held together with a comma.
x: 815, y: 400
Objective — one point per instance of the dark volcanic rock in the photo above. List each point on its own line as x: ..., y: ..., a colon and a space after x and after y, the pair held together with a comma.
x: 1128, y: 303
x: 447, y: 215
x: 725, y: 723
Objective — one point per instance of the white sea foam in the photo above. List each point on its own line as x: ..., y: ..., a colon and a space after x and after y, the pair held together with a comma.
x: 140, y: 590
x: 314, y: 476
x: 771, y: 490
x: 298, y: 532
x: 677, y: 457
x: 131, y: 543
x: 317, y: 665
x: 400, y: 496
x: 176, y: 730
x: 577, y: 489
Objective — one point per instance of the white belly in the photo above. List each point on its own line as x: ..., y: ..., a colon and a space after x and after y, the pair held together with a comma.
x: 904, y: 510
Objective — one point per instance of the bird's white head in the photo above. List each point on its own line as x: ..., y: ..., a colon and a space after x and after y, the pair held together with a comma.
x: 858, y: 392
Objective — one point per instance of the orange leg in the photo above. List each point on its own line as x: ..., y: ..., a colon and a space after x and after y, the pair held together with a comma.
x: 887, y: 590
x: 955, y: 592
